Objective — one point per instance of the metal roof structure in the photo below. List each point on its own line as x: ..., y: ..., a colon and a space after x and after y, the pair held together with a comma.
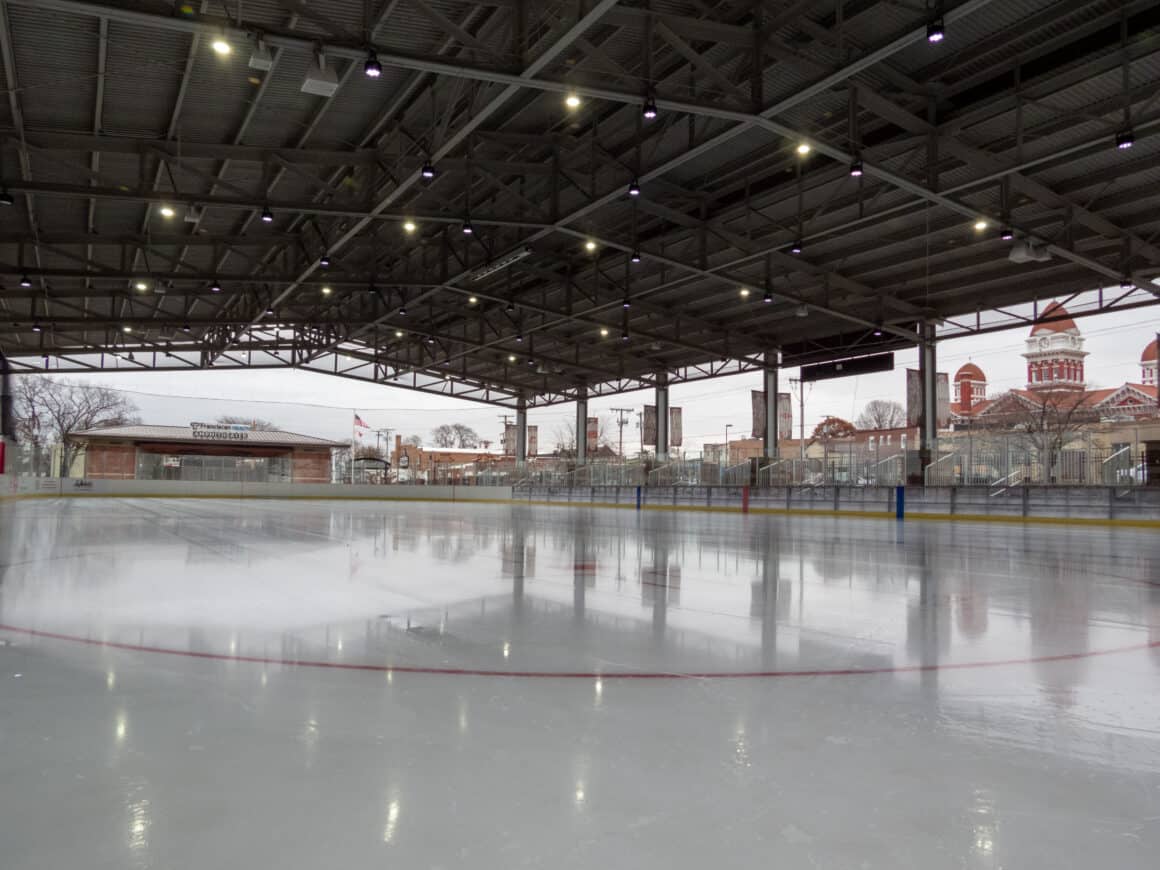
x: 221, y: 185
x: 185, y: 434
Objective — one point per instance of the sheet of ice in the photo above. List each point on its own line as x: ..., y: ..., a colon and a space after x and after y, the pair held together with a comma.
x: 186, y: 684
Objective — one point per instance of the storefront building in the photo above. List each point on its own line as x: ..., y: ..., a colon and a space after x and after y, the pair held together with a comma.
x: 204, y: 451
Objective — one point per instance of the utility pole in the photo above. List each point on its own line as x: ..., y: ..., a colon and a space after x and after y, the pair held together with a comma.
x: 621, y: 422
x: 801, y: 388
x: 507, y: 419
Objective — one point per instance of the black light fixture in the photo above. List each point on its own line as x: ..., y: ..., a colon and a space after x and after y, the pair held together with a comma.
x: 269, y: 312
x: 185, y: 327
x: 25, y: 281
x: 402, y: 310
x: 627, y: 303
x: 1007, y: 234
x: 216, y: 286
x: 467, y: 228
x: 624, y: 335
x: 635, y: 257
x: 767, y: 298
x: 428, y: 171
x: 6, y: 197
x: 531, y: 362
x: 796, y: 247
x: 511, y: 307
x: 1126, y: 283
x: 633, y: 188
x: 856, y: 168
x: 877, y: 332
x: 936, y: 31
x: 372, y: 69
x: 519, y: 338
x: 267, y: 215
x: 36, y: 327
x: 430, y: 339
x: 650, y: 108
x: 1125, y: 139
x: 324, y: 261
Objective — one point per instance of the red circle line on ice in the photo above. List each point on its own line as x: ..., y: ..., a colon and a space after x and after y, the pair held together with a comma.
x: 575, y: 675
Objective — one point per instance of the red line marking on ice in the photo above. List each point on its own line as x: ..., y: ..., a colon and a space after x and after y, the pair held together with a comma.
x: 574, y: 675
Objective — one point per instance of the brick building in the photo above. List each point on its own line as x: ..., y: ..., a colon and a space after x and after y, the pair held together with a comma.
x: 203, y: 451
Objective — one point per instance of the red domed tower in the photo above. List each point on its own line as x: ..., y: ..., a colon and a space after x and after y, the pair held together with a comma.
x: 1055, y: 353
x: 970, y: 389
x: 1148, y: 362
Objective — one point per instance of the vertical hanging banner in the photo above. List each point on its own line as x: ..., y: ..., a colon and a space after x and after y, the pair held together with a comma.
x: 942, y: 385
x: 784, y: 415
x: 533, y: 440
x: 913, y: 397
x: 676, y: 436
x: 509, y: 439
x: 757, y: 399
x: 649, y: 426
x: 592, y: 433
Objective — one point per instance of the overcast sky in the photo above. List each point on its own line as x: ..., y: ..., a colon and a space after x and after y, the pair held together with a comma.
x: 316, y: 404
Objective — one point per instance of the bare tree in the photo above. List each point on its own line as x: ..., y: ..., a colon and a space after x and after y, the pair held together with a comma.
x: 565, y: 436
x: 443, y: 436
x: 413, y: 441
x: 368, y: 451
x: 255, y: 423
x: 882, y: 414
x: 465, y: 436
x: 1047, y: 422
x: 48, y: 411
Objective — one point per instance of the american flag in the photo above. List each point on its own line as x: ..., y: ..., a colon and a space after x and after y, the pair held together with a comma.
x: 358, y: 421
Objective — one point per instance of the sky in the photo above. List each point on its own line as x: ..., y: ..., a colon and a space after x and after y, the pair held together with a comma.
x: 316, y: 404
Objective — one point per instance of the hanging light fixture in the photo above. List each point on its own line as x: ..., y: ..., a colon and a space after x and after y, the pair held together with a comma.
x: 467, y: 228
x: 1125, y: 139
x: 633, y: 188
x: 796, y: 247
x: 6, y: 197
x: 185, y: 327
x: 856, y: 168
x: 1007, y: 234
x: 372, y: 69
x: 36, y: 326
x: 627, y: 303
x: 402, y: 310
x: 216, y: 286
x: 767, y: 298
x: 936, y: 31
x: 428, y: 171
x: 511, y: 307
x: 650, y: 108
x: 635, y: 257
x: 25, y: 281
x: 267, y: 215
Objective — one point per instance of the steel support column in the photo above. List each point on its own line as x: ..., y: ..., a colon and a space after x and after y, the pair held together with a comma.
x: 582, y: 425
x: 521, y: 433
x: 7, y: 439
x: 928, y: 419
x: 772, y: 436
x: 662, y: 402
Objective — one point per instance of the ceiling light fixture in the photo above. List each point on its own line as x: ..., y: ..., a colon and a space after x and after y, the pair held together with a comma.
x: 980, y: 225
x: 877, y: 331
x: 25, y: 281
x: 767, y: 298
x: 796, y: 247
x: 402, y: 310
x: 216, y: 286
x: 650, y: 108
x: 603, y: 332
x: 36, y: 327
x: 802, y: 311
x: 1126, y: 283
x: 126, y: 329
x: 519, y: 338
x: 572, y: 101
x: 511, y: 307
x: 428, y: 171
x: 167, y: 211
x: 590, y: 246
x: 267, y: 215
x: 627, y: 303
x: 1007, y: 234
x: 856, y: 168
x: 6, y: 197
x: 409, y: 226
x: 326, y: 291
x: 372, y: 69
x: 185, y: 327
x: 936, y: 32
x: 803, y: 149
x: 624, y: 336
x: 142, y: 286
x: 511, y: 357
x: 1125, y: 139
x: 471, y: 300
x: 221, y: 46
x: 467, y: 228
x: 635, y: 257
x: 324, y: 261
x: 398, y: 333
x: 744, y: 292
x: 633, y: 188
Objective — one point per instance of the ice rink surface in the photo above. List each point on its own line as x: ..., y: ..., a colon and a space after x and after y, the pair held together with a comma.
x: 256, y: 684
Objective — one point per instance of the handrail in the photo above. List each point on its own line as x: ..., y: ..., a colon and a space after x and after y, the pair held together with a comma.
x: 999, y: 485
x: 940, y: 460
x: 1126, y: 449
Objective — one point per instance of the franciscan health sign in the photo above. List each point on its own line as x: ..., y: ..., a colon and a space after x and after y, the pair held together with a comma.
x: 220, y: 431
